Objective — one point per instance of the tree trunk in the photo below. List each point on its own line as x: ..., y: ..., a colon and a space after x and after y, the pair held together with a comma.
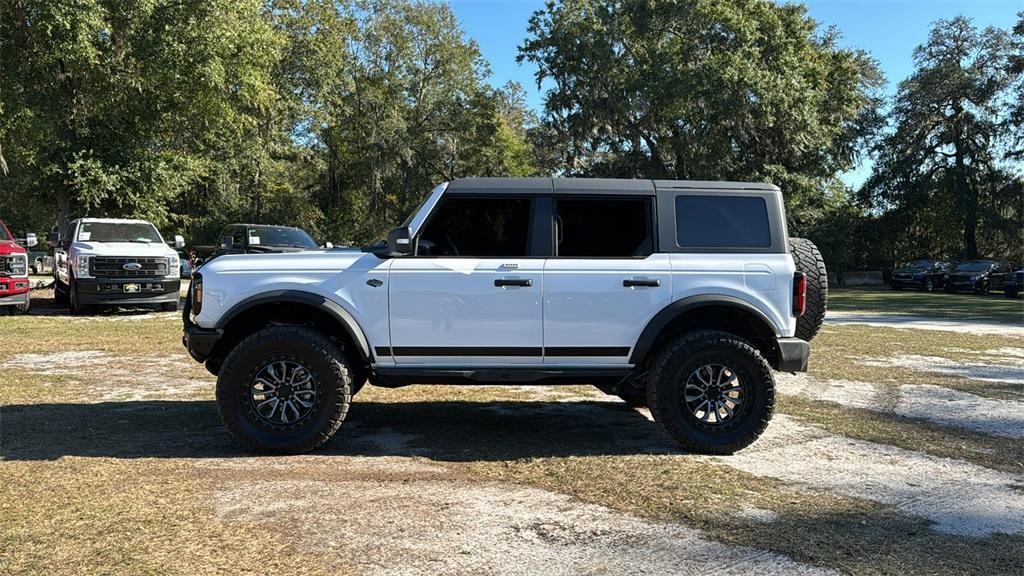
x: 965, y: 194
x: 67, y: 133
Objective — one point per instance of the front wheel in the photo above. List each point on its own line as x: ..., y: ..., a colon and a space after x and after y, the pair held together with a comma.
x: 169, y: 306
x: 75, y: 306
x: 711, y: 391
x: 929, y: 285
x: 284, y: 390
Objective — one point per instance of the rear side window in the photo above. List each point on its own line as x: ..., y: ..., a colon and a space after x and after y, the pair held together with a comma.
x: 478, y: 227
x: 722, y: 222
x: 604, y: 227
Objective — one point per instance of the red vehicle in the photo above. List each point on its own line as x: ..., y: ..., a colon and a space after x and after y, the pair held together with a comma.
x: 14, y: 283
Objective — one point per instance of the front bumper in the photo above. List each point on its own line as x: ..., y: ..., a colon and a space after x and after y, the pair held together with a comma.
x: 907, y: 282
x: 199, y: 341
x: 112, y: 290
x: 962, y: 285
x: 793, y: 355
x: 14, y: 299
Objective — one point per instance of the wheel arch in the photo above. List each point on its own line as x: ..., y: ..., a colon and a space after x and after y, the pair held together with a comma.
x: 300, y: 304
x: 706, y: 311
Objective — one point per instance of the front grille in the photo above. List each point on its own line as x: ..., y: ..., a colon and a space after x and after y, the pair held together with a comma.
x: 114, y: 267
x: 1018, y: 277
x: 13, y: 265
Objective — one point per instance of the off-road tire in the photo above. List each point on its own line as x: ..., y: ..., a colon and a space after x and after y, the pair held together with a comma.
x: 319, y: 355
x: 678, y: 359
x: 809, y: 261
x: 169, y: 306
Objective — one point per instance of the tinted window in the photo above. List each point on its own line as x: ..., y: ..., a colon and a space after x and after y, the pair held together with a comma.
x: 722, y: 222
x: 118, y: 232
x: 280, y: 236
x: 604, y: 227
x: 477, y: 227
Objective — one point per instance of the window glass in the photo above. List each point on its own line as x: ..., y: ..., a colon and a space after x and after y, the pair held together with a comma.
x: 141, y: 232
x: 478, y: 227
x: 280, y: 236
x: 604, y: 227
x: 722, y: 222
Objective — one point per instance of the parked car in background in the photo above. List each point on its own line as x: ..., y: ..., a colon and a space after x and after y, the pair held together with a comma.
x: 978, y: 276
x: 40, y: 262
x: 1013, y: 285
x: 925, y: 275
x: 262, y: 239
x: 14, y: 283
x: 113, y: 261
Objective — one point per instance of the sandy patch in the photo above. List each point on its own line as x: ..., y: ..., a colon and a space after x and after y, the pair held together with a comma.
x: 961, y: 498
x: 943, y: 406
x: 118, y: 378
x: 940, y: 365
x: 924, y: 323
x: 438, y: 527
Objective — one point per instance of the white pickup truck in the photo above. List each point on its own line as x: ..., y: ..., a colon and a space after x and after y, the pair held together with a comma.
x: 113, y: 262
x: 679, y: 295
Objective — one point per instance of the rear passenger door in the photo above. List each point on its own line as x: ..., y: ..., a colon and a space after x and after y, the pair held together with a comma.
x: 604, y: 281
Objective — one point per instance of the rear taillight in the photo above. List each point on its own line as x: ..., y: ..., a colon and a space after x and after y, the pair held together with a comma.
x: 197, y: 293
x: 799, y: 294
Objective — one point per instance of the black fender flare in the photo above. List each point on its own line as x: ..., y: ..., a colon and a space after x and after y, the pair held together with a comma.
x: 676, y: 309
x: 333, y: 309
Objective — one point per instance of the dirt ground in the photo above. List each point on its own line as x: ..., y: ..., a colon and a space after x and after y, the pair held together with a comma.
x: 899, y: 453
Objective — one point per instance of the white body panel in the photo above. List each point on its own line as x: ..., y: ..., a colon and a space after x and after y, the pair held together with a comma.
x: 439, y: 303
x: 586, y: 307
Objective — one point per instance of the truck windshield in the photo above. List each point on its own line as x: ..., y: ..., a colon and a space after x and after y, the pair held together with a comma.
x: 141, y: 232
x: 3, y: 232
x: 273, y: 236
x: 976, y: 266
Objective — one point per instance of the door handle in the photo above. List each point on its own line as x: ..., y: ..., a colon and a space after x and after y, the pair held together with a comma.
x: 637, y: 283
x: 504, y: 282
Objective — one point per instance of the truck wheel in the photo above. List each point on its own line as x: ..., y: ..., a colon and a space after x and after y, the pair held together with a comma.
x: 169, y: 306
x: 711, y: 391
x: 60, y: 296
x: 75, y: 306
x: 284, y: 390
x: 20, y: 309
x: 809, y: 261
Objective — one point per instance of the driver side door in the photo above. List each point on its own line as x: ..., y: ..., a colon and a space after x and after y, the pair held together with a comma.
x: 471, y: 294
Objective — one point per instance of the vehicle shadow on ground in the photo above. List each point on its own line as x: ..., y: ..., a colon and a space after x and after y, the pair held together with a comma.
x: 452, y: 431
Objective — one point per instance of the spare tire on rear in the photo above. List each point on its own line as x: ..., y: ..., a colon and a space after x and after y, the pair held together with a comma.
x: 809, y: 261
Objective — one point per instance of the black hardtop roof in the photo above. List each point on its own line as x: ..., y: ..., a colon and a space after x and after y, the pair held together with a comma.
x: 596, y: 186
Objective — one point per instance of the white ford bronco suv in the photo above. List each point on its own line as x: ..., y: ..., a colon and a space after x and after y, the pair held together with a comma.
x: 682, y: 296
x: 114, y: 261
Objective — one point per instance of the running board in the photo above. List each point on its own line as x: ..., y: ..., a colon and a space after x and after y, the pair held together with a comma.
x: 394, y: 377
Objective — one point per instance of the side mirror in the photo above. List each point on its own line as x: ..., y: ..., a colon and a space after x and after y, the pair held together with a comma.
x: 51, y: 239
x: 400, y: 241
x: 179, y: 241
x: 227, y: 242
x: 31, y: 240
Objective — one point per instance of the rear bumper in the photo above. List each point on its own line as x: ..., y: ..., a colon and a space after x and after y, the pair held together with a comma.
x: 112, y: 290
x: 793, y: 356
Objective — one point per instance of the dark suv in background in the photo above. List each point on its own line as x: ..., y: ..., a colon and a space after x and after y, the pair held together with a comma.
x: 925, y: 275
x: 261, y: 239
x: 978, y: 276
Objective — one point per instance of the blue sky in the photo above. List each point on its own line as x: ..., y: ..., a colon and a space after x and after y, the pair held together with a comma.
x: 889, y: 30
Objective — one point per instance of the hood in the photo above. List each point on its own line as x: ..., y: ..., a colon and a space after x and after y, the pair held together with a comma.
x: 10, y: 247
x: 123, y: 249
x: 306, y: 261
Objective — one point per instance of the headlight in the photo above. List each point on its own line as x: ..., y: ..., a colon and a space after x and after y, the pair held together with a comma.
x: 82, y: 266
x: 17, y: 265
x: 173, y: 267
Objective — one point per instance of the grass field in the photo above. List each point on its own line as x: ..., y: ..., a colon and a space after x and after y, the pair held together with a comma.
x: 114, y: 462
x: 993, y: 307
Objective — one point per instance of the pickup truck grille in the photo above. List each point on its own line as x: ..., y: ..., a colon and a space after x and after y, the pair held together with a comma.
x: 115, y: 267
x: 13, y: 265
x: 1018, y: 277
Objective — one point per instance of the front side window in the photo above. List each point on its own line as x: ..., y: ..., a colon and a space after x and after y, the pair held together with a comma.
x: 604, y: 227
x: 722, y: 222
x: 141, y: 232
x: 481, y: 227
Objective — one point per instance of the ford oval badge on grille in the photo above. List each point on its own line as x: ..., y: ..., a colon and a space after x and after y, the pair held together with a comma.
x: 132, y: 266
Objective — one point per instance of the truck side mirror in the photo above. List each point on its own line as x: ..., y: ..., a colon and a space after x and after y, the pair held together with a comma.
x: 400, y: 241
x: 227, y: 242
x: 179, y: 241
x: 31, y: 240
x: 52, y: 239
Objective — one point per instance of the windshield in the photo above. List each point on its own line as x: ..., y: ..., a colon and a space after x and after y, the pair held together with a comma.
x: 142, y: 232
x: 274, y: 236
x: 920, y: 265
x: 976, y: 266
x: 3, y: 232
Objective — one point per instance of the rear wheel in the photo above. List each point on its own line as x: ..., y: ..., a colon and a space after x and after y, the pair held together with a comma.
x: 711, y: 391
x: 284, y: 390
x: 808, y: 260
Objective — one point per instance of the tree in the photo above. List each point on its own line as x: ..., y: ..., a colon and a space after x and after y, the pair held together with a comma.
x: 948, y: 136
x: 701, y: 89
